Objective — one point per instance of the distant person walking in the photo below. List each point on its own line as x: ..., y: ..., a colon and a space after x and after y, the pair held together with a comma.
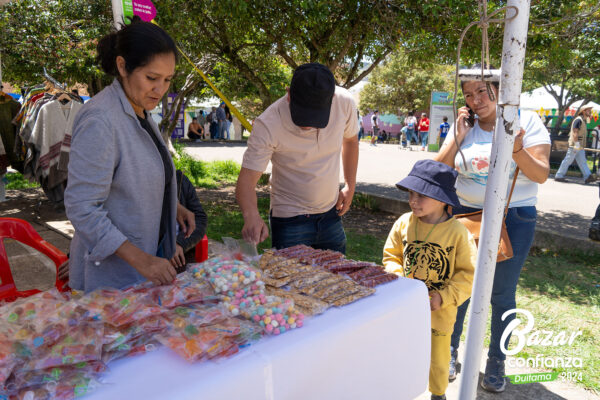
x: 375, y: 121
x: 423, y: 130
x: 575, y: 152
x: 221, y: 120
x: 443, y: 130
x: 411, y: 124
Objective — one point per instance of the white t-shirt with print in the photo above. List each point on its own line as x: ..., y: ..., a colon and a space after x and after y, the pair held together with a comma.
x: 477, y: 148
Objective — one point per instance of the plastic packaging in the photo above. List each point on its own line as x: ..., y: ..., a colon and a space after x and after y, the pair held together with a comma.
x: 120, y: 307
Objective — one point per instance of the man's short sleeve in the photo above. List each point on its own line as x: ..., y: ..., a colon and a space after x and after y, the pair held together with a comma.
x: 351, y: 121
x: 260, y: 148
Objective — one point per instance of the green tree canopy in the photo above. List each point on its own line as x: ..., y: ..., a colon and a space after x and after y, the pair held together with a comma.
x: 400, y: 85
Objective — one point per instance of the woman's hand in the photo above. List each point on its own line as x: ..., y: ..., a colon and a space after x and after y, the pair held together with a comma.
x: 186, y: 220
x: 158, y: 271
x: 461, y: 127
x: 178, y: 259
x: 518, y: 146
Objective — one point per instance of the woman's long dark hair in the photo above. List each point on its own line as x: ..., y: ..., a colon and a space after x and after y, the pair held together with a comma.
x: 137, y: 43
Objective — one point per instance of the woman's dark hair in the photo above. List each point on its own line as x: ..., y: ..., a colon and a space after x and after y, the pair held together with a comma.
x: 137, y: 43
x: 478, y: 66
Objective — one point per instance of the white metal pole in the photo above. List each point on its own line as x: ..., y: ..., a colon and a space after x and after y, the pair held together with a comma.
x: 118, y: 15
x: 507, y: 125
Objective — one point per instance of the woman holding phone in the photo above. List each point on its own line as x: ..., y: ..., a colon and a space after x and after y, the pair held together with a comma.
x: 531, y: 154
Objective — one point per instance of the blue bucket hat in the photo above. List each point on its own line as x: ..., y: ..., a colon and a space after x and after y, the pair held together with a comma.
x: 432, y: 179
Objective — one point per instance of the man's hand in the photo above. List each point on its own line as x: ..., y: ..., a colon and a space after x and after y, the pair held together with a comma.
x: 435, y: 300
x: 255, y: 230
x: 186, y: 220
x: 178, y: 259
x: 344, y: 200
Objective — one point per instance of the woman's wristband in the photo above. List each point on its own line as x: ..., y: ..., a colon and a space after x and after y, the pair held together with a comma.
x: 515, y: 152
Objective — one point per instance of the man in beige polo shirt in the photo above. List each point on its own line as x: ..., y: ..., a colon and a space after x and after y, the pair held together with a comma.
x: 302, y: 134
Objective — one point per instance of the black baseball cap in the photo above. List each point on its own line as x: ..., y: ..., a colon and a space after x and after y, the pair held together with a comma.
x: 311, y: 94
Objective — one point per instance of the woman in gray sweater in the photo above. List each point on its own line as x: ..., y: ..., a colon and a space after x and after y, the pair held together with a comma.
x: 121, y: 192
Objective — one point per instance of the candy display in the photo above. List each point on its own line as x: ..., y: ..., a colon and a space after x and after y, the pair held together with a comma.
x: 56, y: 347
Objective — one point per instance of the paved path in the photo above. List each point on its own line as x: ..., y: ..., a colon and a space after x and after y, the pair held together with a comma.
x: 565, y: 208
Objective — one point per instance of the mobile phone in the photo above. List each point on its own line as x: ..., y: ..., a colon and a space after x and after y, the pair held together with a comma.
x: 470, y: 121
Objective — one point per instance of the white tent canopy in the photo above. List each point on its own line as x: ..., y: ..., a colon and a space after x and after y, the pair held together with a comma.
x: 540, y: 98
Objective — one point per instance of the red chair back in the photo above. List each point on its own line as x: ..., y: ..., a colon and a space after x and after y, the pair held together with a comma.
x: 22, y: 231
x: 202, y: 250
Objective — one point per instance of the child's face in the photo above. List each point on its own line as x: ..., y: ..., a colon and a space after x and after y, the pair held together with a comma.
x: 423, y: 206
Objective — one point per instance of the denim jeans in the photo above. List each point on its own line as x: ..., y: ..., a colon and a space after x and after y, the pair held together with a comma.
x: 424, y: 137
x: 409, y: 135
x: 321, y: 231
x: 520, y: 224
x: 577, y: 155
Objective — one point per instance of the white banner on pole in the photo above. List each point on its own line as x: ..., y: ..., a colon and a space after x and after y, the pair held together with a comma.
x: 441, y: 106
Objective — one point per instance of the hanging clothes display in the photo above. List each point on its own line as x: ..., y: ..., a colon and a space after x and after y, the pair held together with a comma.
x: 45, y: 128
x: 8, y: 110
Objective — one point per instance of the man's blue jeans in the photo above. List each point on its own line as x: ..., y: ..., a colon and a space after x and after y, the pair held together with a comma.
x: 520, y: 224
x: 321, y: 231
x: 577, y: 155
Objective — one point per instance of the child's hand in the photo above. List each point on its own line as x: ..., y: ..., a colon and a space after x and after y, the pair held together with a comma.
x: 435, y: 301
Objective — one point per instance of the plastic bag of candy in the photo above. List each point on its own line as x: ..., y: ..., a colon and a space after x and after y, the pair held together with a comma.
x: 70, y: 386
x: 276, y: 315
x: 140, y: 345
x: 80, y: 343
x: 195, y: 314
x: 31, y: 309
x: 117, y: 336
x: 184, y: 290
x: 227, y: 275
x: 212, y: 341
x: 36, y: 378
x: 119, y: 307
x: 8, y: 359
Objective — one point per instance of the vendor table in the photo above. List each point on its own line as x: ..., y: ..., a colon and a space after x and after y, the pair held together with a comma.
x: 375, y: 348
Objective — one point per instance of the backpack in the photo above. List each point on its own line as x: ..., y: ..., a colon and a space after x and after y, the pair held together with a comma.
x: 411, y: 123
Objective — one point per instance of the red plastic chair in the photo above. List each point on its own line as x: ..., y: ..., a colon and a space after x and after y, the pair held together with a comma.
x: 22, y: 231
x: 202, y: 250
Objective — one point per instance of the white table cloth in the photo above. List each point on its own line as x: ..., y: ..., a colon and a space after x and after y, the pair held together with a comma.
x: 375, y: 348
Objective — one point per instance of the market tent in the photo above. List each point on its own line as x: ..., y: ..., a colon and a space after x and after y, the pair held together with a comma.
x: 539, y: 98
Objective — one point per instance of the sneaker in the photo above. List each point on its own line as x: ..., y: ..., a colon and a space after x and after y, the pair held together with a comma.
x: 493, y: 379
x: 560, y: 179
x: 454, y: 365
x: 590, y: 179
x: 438, y: 397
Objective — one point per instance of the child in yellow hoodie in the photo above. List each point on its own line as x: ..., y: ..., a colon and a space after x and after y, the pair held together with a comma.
x: 428, y: 244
